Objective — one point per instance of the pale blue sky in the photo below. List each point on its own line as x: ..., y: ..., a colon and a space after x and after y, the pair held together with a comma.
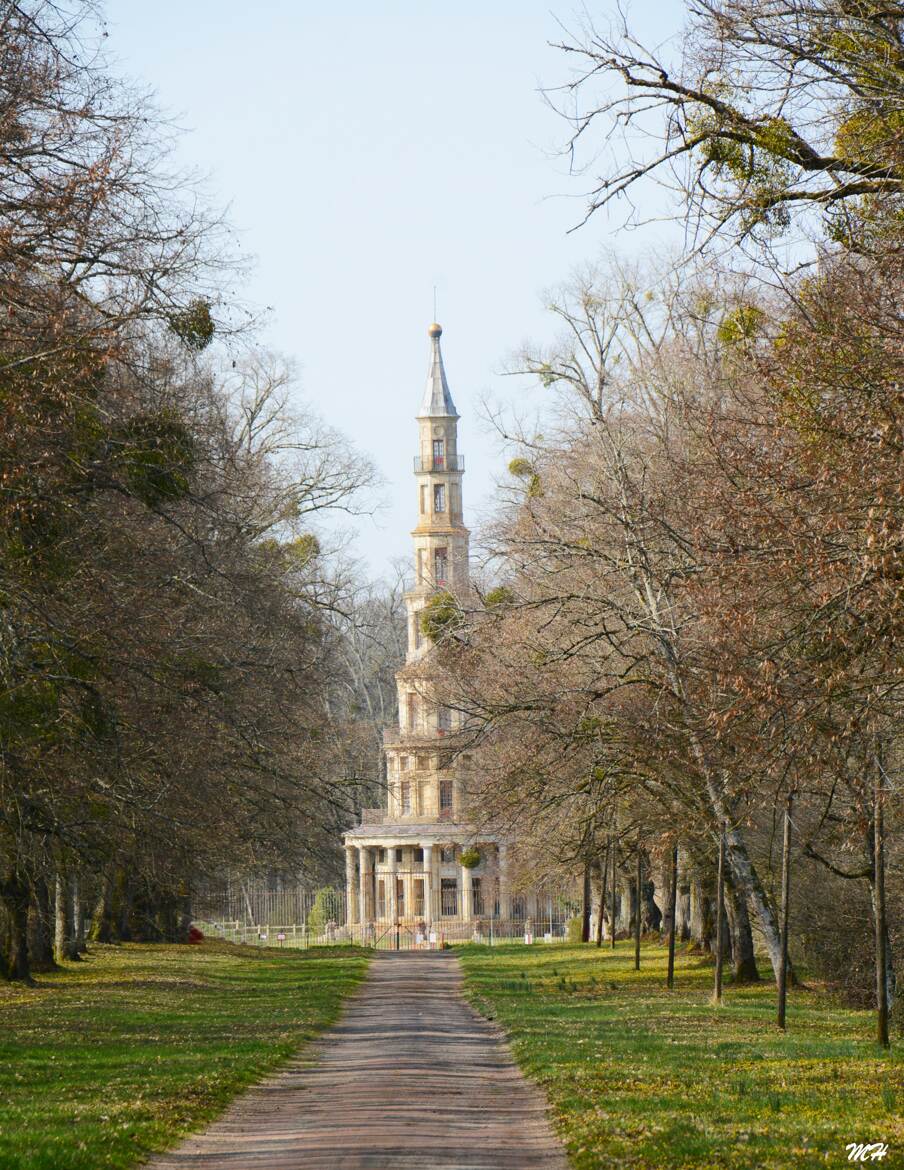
x: 369, y: 151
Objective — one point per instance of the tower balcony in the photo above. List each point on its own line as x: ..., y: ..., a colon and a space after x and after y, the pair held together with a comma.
x: 422, y: 735
x: 439, y: 463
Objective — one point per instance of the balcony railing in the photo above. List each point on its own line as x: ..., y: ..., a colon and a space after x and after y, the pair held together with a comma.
x: 440, y: 463
x: 400, y: 734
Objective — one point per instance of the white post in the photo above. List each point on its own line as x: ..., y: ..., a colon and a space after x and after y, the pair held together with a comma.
x: 428, y: 885
x: 505, y: 908
x: 392, y: 893
x: 364, y: 869
x: 465, y: 907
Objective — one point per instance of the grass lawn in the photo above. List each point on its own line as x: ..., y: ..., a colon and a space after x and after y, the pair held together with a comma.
x: 119, y: 1055
x: 639, y: 1076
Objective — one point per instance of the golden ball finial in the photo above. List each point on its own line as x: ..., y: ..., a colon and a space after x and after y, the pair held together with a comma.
x: 435, y: 330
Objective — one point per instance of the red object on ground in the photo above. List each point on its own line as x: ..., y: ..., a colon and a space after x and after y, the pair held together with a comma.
x: 195, y: 935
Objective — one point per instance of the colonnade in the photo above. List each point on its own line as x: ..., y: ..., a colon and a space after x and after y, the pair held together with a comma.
x: 360, y: 885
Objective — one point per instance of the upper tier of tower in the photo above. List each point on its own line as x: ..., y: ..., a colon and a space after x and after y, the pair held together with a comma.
x: 440, y: 538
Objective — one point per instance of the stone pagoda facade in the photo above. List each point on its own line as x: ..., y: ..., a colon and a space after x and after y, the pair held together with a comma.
x: 404, y: 863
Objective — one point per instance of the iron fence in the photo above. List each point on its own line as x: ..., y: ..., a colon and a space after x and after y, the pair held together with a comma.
x: 299, y: 916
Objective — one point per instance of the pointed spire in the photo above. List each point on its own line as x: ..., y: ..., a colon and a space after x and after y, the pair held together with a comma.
x: 437, y: 401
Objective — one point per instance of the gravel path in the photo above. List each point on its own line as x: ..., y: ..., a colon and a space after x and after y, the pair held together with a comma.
x: 410, y: 1077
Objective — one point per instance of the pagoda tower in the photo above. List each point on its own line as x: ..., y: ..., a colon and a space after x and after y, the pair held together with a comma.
x: 404, y: 862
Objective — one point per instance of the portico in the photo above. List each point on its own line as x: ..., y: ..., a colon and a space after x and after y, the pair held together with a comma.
x: 421, y: 880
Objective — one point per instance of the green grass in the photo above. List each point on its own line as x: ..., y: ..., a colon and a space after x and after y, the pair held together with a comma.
x: 642, y: 1077
x: 119, y: 1055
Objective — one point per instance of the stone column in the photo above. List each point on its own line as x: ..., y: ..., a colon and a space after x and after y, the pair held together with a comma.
x: 428, y: 885
x: 464, y: 908
x: 392, y: 894
x: 350, y: 884
x: 365, y: 870
x: 505, y: 903
x: 407, y: 906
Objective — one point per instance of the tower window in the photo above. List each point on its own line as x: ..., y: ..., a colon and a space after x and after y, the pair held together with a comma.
x: 440, y: 565
x: 412, y: 712
x: 405, y: 797
x: 439, y: 497
x: 444, y: 718
x: 445, y: 799
x: 439, y: 454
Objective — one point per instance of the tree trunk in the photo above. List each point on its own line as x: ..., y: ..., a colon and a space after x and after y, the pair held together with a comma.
x: 123, y: 917
x: 63, y: 943
x: 744, y: 878
x: 638, y: 901
x: 683, y: 903
x: 746, y: 882
x: 14, y: 899
x: 696, y: 912
x: 720, y: 919
x: 743, y: 959
x: 629, y: 905
x: 672, y: 915
x: 78, y: 920
x: 786, y: 906
x: 184, y: 916
x: 703, y: 916
x: 586, y: 908
x: 604, y: 875
x: 613, y: 894
x: 102, y: 918
x: 40, y: 929
x: 883, y: 951
x: 652, y: 915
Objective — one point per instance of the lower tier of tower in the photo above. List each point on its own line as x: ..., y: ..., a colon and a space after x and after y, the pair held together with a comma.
x: 428, y: 875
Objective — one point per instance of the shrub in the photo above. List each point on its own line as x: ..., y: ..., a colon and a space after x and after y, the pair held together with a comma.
x: 327, y: 907
x: 441, y: 616
x: 575, y: 927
